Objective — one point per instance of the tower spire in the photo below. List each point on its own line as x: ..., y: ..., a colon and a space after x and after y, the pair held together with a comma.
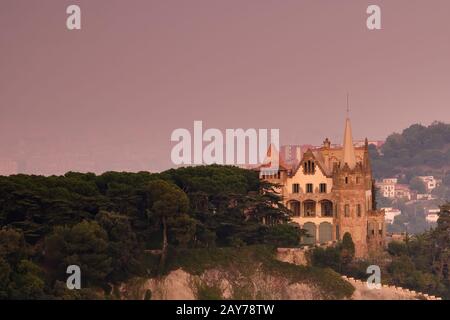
x: 349, y: 150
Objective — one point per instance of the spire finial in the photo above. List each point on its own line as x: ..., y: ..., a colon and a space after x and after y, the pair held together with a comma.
x: 348, y: 108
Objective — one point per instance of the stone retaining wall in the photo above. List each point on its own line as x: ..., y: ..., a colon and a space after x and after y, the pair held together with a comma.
x: 386, y: 292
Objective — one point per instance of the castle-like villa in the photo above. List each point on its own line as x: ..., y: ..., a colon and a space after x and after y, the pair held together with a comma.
x: 331, y: 192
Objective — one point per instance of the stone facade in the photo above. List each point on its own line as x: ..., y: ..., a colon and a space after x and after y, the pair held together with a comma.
x: 330, y: 193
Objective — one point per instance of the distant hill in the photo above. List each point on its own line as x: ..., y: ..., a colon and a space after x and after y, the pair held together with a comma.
x: 418, y: 150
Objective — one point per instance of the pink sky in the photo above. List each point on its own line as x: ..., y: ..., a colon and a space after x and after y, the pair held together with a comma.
x: 112, y: 93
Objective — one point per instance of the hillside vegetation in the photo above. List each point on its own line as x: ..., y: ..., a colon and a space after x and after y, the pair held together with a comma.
x: 118, y: 227
x: 105, y: 224
x: 418, y: 150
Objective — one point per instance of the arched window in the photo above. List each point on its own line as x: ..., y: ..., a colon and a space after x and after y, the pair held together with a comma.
x: 310, y: 229
x: 309, y: 208
x: 326, y: 207
x: 294, y: 206
x: 325, y: 232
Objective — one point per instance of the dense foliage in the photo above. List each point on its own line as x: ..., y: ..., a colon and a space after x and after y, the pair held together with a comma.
x: 418, y: 150
x: 336, y: 257
x: 105, y: 224
x: 420, y: 263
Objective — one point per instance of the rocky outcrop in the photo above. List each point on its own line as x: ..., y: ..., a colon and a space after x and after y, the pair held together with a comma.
x: 295, y: 256
x: 254, y: 283
x: 221, y: 284
x: 175, y: 286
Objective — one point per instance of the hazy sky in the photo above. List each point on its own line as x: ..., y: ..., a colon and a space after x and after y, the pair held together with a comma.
x: 113, y: 92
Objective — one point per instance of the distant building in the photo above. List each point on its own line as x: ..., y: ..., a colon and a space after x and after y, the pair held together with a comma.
x: 400, y: 237
x: 432, y: 215
x: 402, y: 191
x: 429, y: 181
x: 390, y: 188
x: 425, y: 196
x: 387, y: 187
x: 390, y: 214
x: 291, y: 154
x: 376, y: 143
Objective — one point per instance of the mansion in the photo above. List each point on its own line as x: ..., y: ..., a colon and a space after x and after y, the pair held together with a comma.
x: 331, y: 192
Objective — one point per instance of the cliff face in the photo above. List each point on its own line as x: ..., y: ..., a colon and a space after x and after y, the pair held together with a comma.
x: 219, y: 284
x: 216, y: 284
x: 288, y: 277
x: 297, y: 256
x: 243, y: 273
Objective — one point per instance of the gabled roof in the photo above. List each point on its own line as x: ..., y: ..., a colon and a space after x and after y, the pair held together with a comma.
x: 317, y: 156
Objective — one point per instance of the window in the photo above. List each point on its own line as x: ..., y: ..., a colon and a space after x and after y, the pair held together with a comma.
x: 309, y: 167
x: 310, y: 208
x: 295, y: 208
x: 358, y: 180
x: 326, y: 208
x: 323, y: 188
x: 358, y: 210
x: 347, y: 210
x: 371, y: 228
x: 309, y: 187
x: 295, y: 188
x: 346, y: 180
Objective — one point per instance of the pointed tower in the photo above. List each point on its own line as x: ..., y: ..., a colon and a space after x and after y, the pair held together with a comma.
x: 272, y: 156
x: 349, y: 150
